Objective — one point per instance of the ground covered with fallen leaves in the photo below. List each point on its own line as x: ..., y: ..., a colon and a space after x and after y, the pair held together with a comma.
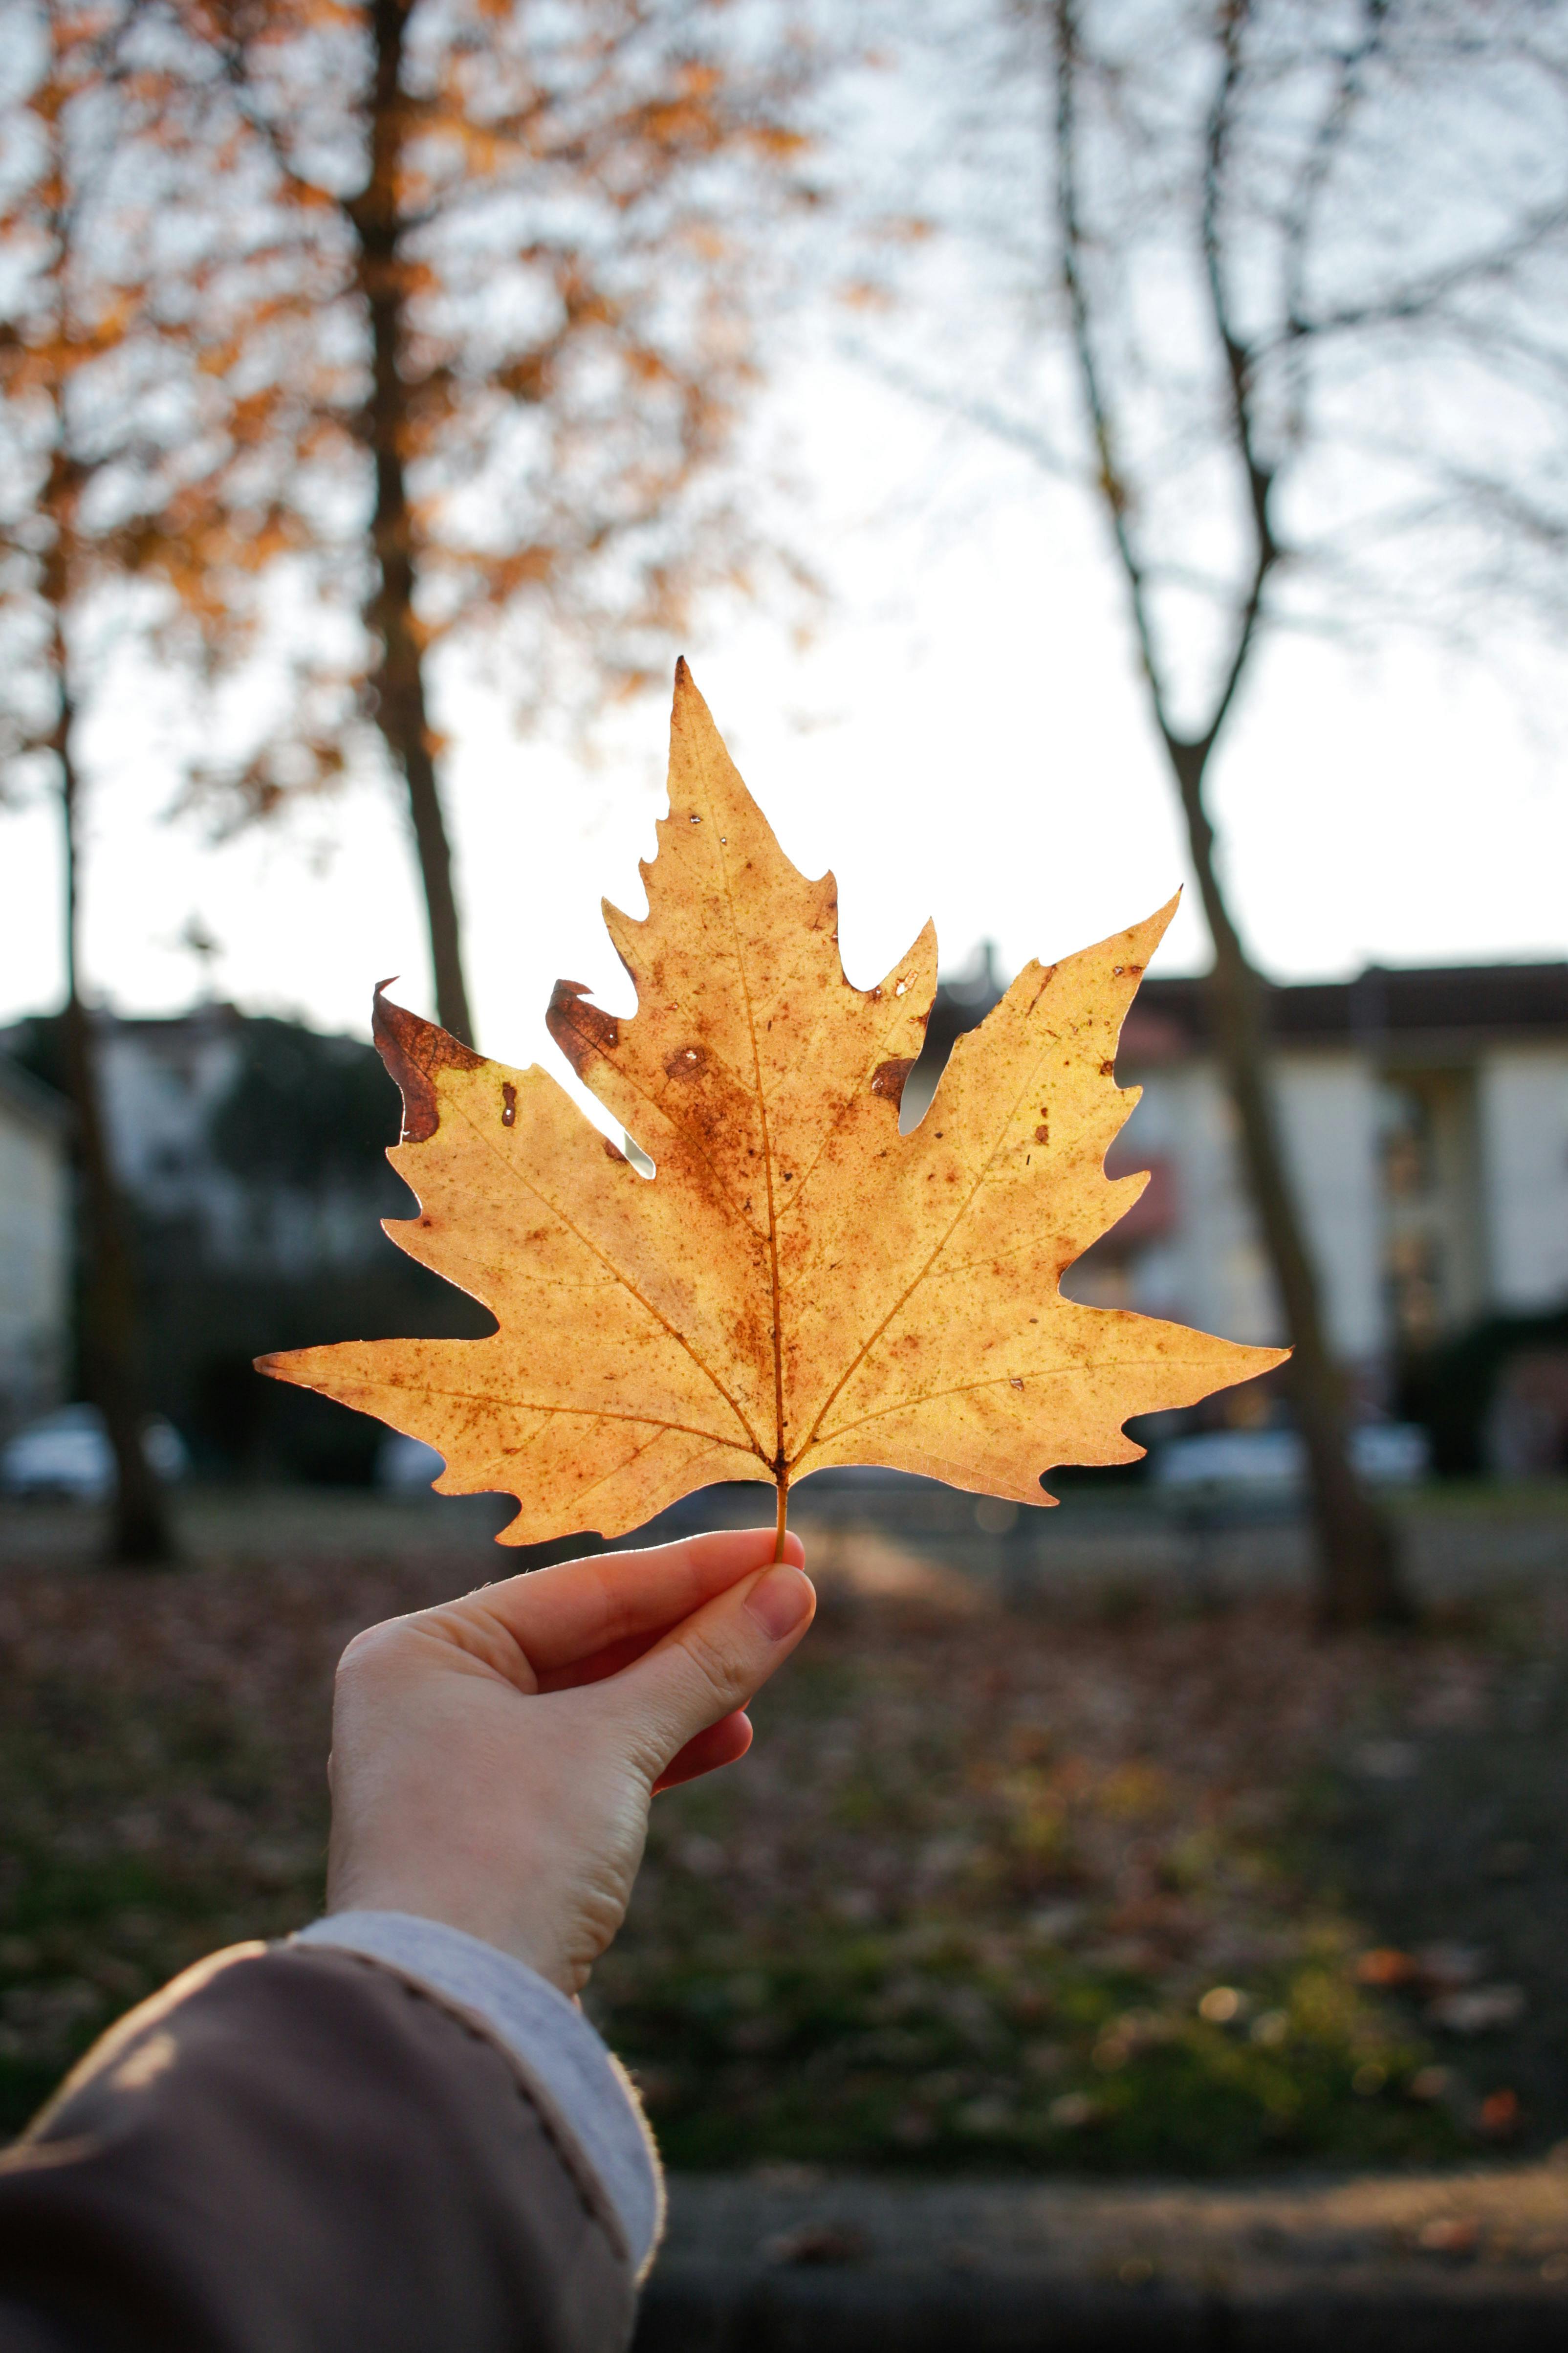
x: 1122, y: 1886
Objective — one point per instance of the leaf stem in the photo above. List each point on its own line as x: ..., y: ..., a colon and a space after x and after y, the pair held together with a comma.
x: 783, y: 1520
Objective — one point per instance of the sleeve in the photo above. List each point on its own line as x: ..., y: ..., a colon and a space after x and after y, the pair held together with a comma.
x: 319, y: 2146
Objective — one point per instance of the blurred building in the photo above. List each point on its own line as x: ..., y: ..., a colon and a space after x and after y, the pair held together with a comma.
x: 34, y: 1246
x: 250, y: 1145
x: 1425, y: 1117
x: 1425, y: 1113
x: 252, y: 1156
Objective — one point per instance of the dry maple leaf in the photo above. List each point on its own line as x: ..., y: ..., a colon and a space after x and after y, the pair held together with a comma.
x: 799, y: 1284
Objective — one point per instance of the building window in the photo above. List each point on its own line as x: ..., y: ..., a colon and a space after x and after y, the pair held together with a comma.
x: 1431, y: 1253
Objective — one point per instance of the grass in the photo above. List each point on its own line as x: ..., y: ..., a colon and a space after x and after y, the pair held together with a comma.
x: 951, y: 1920
x: 990, y: 1892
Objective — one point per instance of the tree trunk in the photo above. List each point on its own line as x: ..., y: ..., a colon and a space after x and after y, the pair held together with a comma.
x: 111, y: 1371
x: 398, y: 678
x: 1359, y: 1577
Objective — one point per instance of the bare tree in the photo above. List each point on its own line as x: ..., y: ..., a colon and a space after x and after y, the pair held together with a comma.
x: 63, y: 329
x: 514, y: 301
x: 69, y: 517
x: 132, y: 515
x: 1295, y: 324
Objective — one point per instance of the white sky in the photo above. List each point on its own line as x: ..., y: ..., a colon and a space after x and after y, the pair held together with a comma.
x: 966, y: 739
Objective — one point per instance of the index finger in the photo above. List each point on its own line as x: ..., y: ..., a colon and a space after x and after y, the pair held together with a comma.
x: 562, y: 1616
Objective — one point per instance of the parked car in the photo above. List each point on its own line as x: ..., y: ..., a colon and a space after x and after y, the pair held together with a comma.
x: 1274, y: 1461
x: 68, y: 1453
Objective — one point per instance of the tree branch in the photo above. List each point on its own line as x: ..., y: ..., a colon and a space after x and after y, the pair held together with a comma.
x: 1240, y: 366
x: 1427, y: 294
x: 1110, y: 482
x: 1333, y: 128
x: 1016, y: 432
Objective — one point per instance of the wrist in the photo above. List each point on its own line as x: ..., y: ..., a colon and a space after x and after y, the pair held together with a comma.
x: 477, y: 1904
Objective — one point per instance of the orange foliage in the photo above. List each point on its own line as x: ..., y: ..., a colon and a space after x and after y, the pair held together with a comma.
x: 518, y: 273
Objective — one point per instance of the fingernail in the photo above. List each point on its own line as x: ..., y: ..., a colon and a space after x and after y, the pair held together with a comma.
x: 780, y: 1601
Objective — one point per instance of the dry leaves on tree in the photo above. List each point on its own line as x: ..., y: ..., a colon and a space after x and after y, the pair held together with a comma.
x: 799, y: 1284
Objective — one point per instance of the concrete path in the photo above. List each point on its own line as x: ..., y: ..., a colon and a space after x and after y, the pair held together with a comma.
x: 787, y: 2262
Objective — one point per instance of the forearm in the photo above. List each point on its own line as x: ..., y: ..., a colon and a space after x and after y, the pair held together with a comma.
x: 300, y: 2144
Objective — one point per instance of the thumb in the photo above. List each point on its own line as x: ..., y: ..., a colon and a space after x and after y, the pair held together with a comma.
x: 711, y: 1662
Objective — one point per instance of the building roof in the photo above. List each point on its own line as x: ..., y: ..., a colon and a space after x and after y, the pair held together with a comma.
x: 1417, y: 1009
x: 1386, y: 1009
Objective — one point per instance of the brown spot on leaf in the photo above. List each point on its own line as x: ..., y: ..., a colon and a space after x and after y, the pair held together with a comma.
x: 579, y: 1028
x: 614, y: 1150
x: 686, y: 1062
x: 1107, y: 1070
x: 888, y: 1079
x: 1013, y: 1382
x: 415, y: 1052
x: 1043, y: 1133
x: 507, y: 1104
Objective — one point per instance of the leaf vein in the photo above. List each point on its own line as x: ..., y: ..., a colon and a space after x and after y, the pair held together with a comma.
x: 998, y: 1380
x: 582, y: 1412
x: 594, y: 1250
x: 961, y: 1211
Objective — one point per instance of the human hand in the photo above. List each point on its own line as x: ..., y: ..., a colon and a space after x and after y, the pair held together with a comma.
x: 493, y: 1758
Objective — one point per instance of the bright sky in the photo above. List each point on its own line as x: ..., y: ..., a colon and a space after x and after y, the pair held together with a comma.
x: 964, y: 739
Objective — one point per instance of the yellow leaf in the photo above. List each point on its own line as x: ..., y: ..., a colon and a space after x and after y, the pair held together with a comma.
x: 799, y: 1284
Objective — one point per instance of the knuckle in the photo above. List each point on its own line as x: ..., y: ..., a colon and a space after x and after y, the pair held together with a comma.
x: 717, y: 1672
x: 372, y: 1650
